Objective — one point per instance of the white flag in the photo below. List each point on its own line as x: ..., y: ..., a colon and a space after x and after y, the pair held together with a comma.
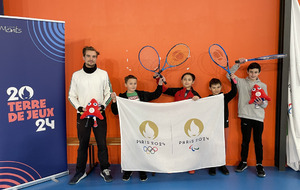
x: 172, y: 137
x: 293, y: 137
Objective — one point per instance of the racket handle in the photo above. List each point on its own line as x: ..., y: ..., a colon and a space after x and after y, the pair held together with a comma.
x: 234, y: 81
x: 160, y: 76
x: 238, y: 61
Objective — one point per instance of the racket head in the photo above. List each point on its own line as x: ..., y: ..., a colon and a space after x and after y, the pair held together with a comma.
x: 218, y: 55
x: 177, y: 55
x: 268, y: 57
x: 149, y: 58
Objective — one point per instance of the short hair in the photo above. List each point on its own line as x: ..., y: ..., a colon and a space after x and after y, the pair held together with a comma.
x: 191, y: 74
x: 129, y: 77
x: 89, y: 48
x: 214, y: 81
x: 254, y: 65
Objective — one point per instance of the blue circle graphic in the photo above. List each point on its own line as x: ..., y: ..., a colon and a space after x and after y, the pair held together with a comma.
x: 49, y: 38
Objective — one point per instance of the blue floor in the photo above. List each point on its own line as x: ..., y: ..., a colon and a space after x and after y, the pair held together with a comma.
x: 281, y: 180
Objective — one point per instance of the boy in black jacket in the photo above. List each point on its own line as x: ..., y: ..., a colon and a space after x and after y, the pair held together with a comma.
x: 133, y: 94
x: 215, y: 87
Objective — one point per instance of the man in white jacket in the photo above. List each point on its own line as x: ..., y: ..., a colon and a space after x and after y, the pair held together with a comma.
x: 88, y: 83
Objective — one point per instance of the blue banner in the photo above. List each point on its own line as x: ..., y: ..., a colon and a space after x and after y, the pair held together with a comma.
x: 32, y: 100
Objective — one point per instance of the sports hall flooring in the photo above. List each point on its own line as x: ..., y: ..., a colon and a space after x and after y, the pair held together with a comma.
x: 247, y: 180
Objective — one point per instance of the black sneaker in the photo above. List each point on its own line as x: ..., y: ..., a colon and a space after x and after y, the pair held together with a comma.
x: 260, y: 171
x: 77, y: 177
x: 143, y: 176
x: 126, y: 175
x: 224, y: 170
x: 212, y: 171
x: 241, y: 167
x: 106, y: 175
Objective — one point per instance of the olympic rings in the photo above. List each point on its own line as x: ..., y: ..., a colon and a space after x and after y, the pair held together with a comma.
x: 150, y: 149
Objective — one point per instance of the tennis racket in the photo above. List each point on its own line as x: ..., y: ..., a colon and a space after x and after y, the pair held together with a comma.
x: 149, y: 59
x: 267, y: 57
x: 219, y: 57
x: 176, y: 56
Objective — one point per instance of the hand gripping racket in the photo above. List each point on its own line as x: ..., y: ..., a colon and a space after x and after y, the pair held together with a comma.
x: 267, y: 57
x: 219, y: 57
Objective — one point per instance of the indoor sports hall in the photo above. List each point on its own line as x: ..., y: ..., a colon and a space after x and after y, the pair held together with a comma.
x: 41, y: 46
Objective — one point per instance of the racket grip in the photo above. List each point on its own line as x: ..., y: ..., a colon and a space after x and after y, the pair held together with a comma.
x: 165, y: 82
x: 157, y: 79
x: 158, y: 75
x: 238, y: 61
x: 162, y: 77
x: 234, y: 81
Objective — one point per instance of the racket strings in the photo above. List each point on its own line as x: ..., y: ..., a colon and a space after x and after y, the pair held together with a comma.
x: 149, y: 59
x: 218, y: 55
x: 178, y: 55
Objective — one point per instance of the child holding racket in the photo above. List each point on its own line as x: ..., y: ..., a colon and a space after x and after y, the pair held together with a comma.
x: 215, y: 86
x: 185, y: 92
x: 252, y: 117
x: 133, y: 94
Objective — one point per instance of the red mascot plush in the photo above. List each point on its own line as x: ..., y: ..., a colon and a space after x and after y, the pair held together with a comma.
x: 92, y: 111
x: 256, y: 92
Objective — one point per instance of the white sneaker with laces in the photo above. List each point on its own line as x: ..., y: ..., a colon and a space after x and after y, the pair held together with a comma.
x: 106, y: 175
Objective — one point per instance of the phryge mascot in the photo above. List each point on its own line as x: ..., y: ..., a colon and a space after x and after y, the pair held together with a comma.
x: 256, y: 92
x: 92, y: 110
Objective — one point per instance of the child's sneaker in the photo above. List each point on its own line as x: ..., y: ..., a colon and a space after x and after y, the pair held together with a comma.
x: 260, y: 170
x: 241, y: 167
x: 106, y: 175
x: 77, y: 177
x: 224, y: 170
x: 143, y: 176
x: 126, y: 175
x: 212, y: 171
